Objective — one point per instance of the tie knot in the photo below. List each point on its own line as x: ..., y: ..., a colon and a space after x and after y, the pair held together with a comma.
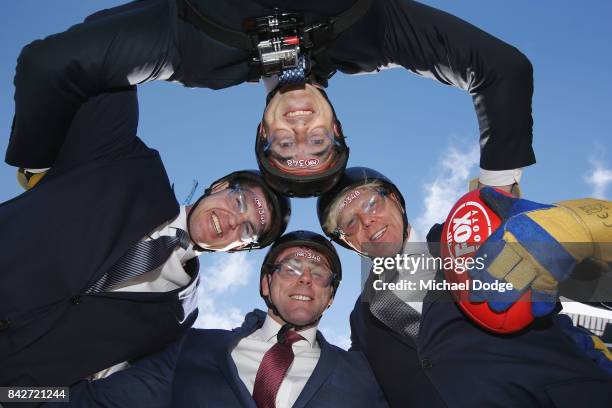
x: 292, y: 336
x: 183, y: 238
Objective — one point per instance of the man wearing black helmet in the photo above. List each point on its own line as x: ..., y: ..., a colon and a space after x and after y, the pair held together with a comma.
x: 299, y: 278
x: 424, y: 351
x: 99, y: 261
x: 204, y: 44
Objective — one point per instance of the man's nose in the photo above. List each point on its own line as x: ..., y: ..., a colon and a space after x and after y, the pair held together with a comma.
x: 306, y: 277
x: 366, y: 219
x: 299, y: 121
x: 237, y: 219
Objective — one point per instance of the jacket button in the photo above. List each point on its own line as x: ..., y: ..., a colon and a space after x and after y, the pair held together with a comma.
x: 426, y: 363
x: 4, y: 324
x: 76, y: 300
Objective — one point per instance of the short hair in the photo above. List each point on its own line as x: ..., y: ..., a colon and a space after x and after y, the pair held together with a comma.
x: 336, y: 204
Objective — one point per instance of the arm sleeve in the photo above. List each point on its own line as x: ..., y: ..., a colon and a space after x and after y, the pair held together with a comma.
x: 147, y: 383
x: 55, y: 76
x: 499, y: 78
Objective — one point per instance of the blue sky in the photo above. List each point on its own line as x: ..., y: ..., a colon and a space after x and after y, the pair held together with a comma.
x: 418, y: 132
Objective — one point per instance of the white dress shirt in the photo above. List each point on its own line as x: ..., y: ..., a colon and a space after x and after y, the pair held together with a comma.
x: 249, y: 353
x: 171, y: 275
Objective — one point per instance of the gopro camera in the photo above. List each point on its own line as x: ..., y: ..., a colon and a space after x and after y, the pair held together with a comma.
x: 279, y: 42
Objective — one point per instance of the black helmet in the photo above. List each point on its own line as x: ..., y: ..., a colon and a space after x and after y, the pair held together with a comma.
x: 302, y: 186
x: 306, y: 239
x: 281, y: 206
x: 352, y: 178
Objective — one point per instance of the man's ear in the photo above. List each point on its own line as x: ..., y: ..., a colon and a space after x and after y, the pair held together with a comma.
x: 265, y: 286
x: 262, y: 130
x: 331, y: 300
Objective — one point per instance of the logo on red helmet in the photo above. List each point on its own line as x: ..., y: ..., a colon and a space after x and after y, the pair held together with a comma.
x: 470, y: 226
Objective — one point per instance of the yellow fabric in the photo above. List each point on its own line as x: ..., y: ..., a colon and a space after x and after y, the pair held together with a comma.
x: 567, y: 229
x: 28, y: 180
x: 596, y: 218
x: 515, y: 265
x: 601, y: 346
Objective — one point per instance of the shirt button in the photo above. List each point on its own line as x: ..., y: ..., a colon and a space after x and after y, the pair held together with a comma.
x: 4, y: 324
x: 76, y: 300
x: 426, y: 363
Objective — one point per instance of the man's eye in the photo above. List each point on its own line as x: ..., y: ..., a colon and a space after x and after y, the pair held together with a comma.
x: 317, y: 141
x: 240, y: 202
x: 286, y: 143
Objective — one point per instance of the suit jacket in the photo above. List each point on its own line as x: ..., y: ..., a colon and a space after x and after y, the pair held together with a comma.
x: 105, y: 191
x: 51, y: 82
x: 206, y: 375
x: 455, y: 363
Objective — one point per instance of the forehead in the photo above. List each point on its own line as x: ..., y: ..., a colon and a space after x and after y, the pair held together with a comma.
x: 260, y: 203
x: 349, y: 199
x: 302, y: 252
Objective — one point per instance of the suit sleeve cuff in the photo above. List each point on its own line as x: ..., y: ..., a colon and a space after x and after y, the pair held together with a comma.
x: 497, y: 178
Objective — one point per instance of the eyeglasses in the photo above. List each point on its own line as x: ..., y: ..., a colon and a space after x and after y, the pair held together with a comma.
x: 238, y: 198
x: 285, y: 145
x: 292, y: 269
x: 376, y: 204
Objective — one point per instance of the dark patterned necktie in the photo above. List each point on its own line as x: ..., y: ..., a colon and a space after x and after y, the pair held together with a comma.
x: 142, y: 257
x: 391, y: 310
x: 273, y: 369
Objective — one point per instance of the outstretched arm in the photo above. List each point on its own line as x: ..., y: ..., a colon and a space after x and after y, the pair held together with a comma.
x: 146, y: 383
x: 55, y: 76
x: 499, y: 78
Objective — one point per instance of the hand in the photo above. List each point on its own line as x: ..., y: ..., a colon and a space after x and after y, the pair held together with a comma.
x: 535, y: 247
x: 28, y: 179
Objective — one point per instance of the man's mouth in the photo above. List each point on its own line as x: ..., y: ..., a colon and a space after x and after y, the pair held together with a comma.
x: 297, y: 113
x: 301, y: 297
x: 216, y: 223
x: 378, y: 234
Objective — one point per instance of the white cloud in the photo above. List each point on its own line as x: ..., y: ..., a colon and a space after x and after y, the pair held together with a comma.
x: 227, y: 273
x: 212, y: 315
x: 450, y: 181
x: 599, y: 177
x: 337, y: 339
x: 224, y: 275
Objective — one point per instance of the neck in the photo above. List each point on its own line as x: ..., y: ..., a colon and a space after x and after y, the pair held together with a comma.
x: 280, y: 321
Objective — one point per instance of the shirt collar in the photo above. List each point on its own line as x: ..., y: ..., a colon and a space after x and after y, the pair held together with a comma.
x: 270, y: 329
x: 181, y: 222
x: 414, y: 244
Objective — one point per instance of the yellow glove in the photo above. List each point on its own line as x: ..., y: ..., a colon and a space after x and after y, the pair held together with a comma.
x: 538, y: 245
x: 28, y: 178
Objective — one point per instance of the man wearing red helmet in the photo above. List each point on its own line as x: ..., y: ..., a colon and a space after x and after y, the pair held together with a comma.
x: 429, y: 353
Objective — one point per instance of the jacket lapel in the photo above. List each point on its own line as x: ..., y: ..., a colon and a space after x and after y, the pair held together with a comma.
x: 252, y: 322
x: 324, y: 368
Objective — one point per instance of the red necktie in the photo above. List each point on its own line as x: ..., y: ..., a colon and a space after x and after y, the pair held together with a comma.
x: 272, y: 370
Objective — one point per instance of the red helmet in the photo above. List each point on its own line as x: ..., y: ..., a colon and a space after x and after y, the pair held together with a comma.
x: 468, y: 225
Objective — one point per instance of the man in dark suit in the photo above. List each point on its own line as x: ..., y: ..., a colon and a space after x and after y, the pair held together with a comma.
x: 239, y: 368
x: 426, y: 352
x: 275, y: 359
x: 99, y: 264
x: 299, y: 137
